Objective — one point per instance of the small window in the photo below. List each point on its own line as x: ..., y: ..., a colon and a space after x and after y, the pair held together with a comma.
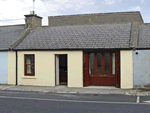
x: 113, y: 63
x: 107, y: 63
x: 91, y: 63
x: 102, y: 64
x: 99, y: 63
x: 29, y: 65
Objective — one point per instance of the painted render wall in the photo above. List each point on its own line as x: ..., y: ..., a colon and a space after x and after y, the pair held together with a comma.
x: 11, y: 67
x: 126, y: 69
x: 141, y: 66
x: 45, y: 68
x: 3, y: 67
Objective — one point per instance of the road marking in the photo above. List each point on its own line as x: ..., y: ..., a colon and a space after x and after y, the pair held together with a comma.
x: 138, y: 100
x: 79, y: 101
x: 148, y: 101
x: 7, y: 87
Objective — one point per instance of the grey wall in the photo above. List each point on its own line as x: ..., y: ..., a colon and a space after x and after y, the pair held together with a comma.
x: 3, y: 67
x: 141, y: 68
x: 91, y: 19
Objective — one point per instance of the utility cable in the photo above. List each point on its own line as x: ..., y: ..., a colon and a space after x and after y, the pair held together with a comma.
x: 12, y: 19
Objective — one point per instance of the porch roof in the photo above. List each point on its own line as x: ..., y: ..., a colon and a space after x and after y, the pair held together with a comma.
x: 79, y: 36
x: 9, y: 34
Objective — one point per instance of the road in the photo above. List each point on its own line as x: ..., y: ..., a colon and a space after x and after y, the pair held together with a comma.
x: 32, y: 102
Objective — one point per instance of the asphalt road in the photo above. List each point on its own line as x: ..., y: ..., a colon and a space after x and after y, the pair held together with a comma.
x: 31, y: 102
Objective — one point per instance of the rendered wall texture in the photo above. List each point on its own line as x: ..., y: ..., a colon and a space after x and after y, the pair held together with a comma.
x: 126, y: 69
x: 45, y: 68
x: 91, y: 19
x: 3, y: 67
x: 141, y: 67
x: 11, y: 69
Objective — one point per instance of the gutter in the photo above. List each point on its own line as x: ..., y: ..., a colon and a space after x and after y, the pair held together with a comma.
x: 77, y: 49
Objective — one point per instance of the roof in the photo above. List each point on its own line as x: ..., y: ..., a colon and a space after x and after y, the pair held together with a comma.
x: 9, y: 34
x: 144, y: 36
x: 78, y: 37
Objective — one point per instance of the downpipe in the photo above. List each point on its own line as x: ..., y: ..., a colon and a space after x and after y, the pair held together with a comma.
x: 16, y: 68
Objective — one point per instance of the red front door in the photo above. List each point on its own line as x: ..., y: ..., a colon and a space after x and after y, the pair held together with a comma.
x: 102, y: 68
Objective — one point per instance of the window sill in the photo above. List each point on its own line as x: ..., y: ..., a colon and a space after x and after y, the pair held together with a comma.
x: 29, y: 77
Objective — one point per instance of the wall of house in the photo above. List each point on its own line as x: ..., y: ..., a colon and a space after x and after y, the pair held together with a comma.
x: 45, y: 68
x: 11, y: 67
x: 91, y: 19
x: 141, y: 66
x: 126, y: 66
x: 3, y: 67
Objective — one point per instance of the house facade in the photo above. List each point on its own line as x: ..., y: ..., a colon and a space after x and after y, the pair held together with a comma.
x: 78, y: 51
x: 141, y: 58
x: 95, y: 53
x: 8, y: 35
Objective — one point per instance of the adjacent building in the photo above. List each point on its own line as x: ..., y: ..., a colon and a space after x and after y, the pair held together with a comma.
x: 8, y: 36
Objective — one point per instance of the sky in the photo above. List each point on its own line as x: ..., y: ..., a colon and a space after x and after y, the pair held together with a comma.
x: 10, y: 10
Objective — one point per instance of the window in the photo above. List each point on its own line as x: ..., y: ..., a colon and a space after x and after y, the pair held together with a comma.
x: 91, y: 63
x: 101, y: 64
x: 29, y: 65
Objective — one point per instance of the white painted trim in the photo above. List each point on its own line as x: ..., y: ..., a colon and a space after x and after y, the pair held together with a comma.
x: 57, y: 69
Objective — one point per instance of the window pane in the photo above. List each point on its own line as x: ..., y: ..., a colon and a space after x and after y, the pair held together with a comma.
x: 30, y: 69
x: 106, y: 63
x: 30, y: 60
x: 113, y: 63
x: 91, y: 63
x: 99, y: 63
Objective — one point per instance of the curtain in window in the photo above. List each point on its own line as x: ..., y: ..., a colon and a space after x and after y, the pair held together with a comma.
x: 28, y: 66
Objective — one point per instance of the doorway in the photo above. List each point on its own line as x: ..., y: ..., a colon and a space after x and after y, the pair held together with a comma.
x: 61, y: 69
x: 102, y: 68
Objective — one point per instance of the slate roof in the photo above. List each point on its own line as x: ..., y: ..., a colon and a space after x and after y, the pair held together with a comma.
x: 78, y: 37
x: 9, y: 34
x: 144, y: 36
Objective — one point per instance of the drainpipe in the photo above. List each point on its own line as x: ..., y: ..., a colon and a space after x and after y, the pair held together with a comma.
x: 16, y: 68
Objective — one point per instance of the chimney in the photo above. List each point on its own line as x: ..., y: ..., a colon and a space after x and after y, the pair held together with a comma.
x: 36, y: 20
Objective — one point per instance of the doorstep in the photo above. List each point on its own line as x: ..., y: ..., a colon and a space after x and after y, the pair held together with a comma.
x: 101, y: 87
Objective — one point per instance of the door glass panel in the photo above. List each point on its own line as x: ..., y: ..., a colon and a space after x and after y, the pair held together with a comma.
x: 91, y: 63
x: 99, y: 63
x: 107, y: 63
x: 113, y: 63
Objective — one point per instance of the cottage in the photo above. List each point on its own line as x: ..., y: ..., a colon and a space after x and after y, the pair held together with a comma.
x: 8, y: 35
x: 141, y: 57
x: 104, y: 49
x: 77, y: 50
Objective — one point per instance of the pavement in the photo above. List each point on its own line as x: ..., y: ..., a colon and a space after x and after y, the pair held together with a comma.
x: 91, y: 90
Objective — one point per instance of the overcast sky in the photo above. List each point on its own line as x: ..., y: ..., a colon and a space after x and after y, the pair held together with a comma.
x: 16, y: 9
